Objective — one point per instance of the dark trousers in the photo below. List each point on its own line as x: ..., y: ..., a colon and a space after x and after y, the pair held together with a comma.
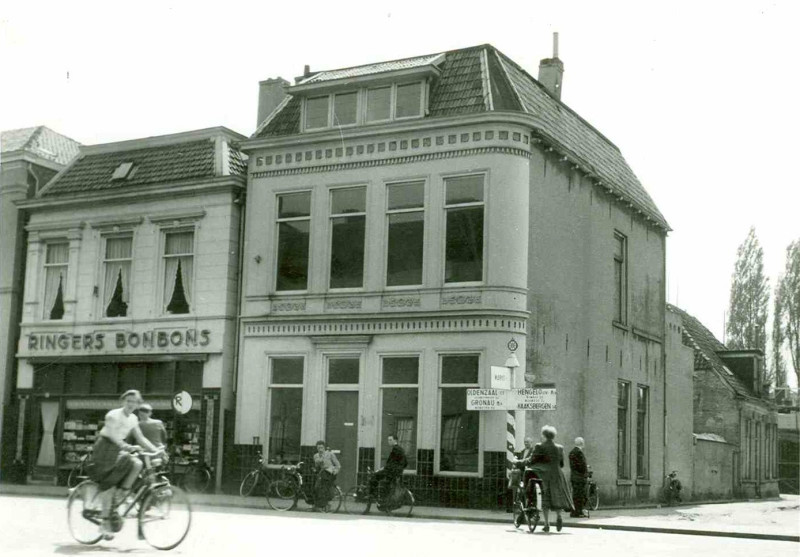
x: 323, y: 488
x: 380, y: 482
x: 579, y: 486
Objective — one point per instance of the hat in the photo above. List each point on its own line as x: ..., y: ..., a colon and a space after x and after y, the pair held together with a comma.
x: 146, y: 407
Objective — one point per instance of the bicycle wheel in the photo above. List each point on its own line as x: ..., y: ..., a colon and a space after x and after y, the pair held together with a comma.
x: 335, y: 501
x: 76, y: 476
x: 356, y: 501
x: 165, y: 516
x: 83, y: 513
x: 249, y: 483
x: 196, y: 479
x: 282, y: 495
x: 593, y: 501
x: 403, y: 505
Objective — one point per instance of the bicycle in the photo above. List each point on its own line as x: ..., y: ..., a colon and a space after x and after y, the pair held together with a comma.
x: 398, y: 502
x: 80, y: 472
x: 284, y: 493
x: 592, y: 495
x: 672, y: 488
x: 528, y: 501
x: 253, y: 478
x: 164, y: 514
x: 195, y: 476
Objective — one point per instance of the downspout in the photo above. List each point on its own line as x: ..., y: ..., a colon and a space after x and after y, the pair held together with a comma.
x: 664, y: 363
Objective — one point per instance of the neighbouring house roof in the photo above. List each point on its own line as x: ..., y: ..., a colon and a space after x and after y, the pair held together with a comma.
x: 710, y: 437
x: 482, y: 79
x: 40, y: 141
x: 705, y: 345
x: 190, y: 156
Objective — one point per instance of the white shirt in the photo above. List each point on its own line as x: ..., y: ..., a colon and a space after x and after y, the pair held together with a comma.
x: 117, y: 425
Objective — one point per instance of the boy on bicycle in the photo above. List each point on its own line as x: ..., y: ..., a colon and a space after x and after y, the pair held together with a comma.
x: 395, y: 464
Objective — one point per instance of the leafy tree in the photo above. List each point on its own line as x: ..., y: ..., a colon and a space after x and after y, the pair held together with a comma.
x: 789, y: 290
x: 778, y: 365
x: 749, y: 298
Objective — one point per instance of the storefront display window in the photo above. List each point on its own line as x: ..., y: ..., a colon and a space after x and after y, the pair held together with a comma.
x: 285, y: 410
x: 459, y: 440
x: 400, y: 402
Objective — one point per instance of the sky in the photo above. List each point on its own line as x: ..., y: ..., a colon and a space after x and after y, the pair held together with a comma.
x: 701, y: 97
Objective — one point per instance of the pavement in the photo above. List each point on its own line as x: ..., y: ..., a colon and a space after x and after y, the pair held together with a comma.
x: 772, y: 519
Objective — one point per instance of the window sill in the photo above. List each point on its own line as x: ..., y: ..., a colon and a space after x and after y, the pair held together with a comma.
x: 624, y: 482
x: 621, y: 326
x: 642, y: 481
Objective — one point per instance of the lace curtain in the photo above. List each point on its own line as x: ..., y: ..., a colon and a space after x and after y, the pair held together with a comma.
x: 55, y: 275
x: 178, y: 250
x: 118, y: 250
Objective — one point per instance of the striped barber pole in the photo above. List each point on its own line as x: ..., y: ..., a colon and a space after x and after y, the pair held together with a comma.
x: 510, y: 441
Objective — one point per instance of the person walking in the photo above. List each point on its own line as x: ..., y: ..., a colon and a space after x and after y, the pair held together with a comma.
x: 578, y: 476
x: 547, y: 462
x: 327, y: 466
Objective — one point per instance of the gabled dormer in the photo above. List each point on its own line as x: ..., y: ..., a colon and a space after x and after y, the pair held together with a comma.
x: 365, y: 95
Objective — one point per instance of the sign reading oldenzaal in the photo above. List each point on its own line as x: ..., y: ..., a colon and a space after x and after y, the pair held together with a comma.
x: 534, y: 398
x: 100, y: 341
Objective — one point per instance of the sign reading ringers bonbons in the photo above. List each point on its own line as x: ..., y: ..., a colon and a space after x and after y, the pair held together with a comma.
x: 534, y: 398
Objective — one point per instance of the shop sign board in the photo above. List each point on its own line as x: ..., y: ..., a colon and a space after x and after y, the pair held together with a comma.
x: 512, y: 399
x: 486, y: 399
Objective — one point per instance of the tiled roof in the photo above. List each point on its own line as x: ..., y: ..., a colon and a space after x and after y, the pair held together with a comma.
x: 705, y: 345
x: 370, y: 69
x: 462, y: 88
x: 161, y: 164
x: 40, y: 141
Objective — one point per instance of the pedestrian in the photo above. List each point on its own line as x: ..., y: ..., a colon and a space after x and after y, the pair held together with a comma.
x: 152, y: 429
x: 327, y: 467
x: 578, y: 477
x: 548, y: 461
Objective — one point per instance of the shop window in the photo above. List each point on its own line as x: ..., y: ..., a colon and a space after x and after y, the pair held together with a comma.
x: 116, y: 288
x: 406, y: 233
x: 464, y: 207
x: 178, y: 271
x: 399, y: 405
x: 104, y: 379
x: 294, y: 224
x: 623, y: 445
x: 132, y: 376
x: 55, y: 279
x: 285, y: 409
x: 348, y: 224
x: 459, y: 439
x: 161, y: 378
x: 189, y: 377
x: 49, y: 378
x: 79, y: 379
x: 642, y: 433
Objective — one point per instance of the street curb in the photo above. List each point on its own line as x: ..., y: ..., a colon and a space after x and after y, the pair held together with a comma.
x: 232, y: 501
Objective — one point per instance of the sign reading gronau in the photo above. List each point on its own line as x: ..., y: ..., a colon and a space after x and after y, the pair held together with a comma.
x: 512, y: 399
x: 164, y: 340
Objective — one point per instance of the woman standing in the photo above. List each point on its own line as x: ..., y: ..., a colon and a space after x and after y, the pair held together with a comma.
x: 114, y: 465
x: 548, y: 460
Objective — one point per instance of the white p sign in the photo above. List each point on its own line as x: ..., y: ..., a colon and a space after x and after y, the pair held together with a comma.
x: 500, y: 377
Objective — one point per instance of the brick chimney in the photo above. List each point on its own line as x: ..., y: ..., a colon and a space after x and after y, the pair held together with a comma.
x: 551, y: 71
x: 270, y: 94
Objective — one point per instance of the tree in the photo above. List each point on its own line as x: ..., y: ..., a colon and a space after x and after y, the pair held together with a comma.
x: 789, y: 290
x: 749, y: 298
x: 778, y: 367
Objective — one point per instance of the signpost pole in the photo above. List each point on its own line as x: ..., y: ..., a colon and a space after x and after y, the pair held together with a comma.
x: 511, y: 418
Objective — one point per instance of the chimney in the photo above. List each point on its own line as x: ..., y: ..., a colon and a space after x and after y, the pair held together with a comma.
x: 551, y: 71
x: 306, y: 73
x: 270, y: 94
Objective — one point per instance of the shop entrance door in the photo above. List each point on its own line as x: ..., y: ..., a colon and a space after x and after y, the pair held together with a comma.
x: 341, y: 434
x: 47, y: 446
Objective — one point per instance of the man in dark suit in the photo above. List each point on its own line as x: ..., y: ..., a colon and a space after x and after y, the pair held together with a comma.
x: 395, y: 464
x: 578, y: 476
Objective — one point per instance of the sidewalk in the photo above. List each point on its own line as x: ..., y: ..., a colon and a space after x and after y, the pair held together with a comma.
x: 775, y: 519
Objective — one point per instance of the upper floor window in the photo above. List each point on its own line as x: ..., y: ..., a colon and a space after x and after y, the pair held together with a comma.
x: 348, y: 225
x: 620, y: 278
x: 406, y: 233
x: 294, y: 225
x: 55, y: 279
x: 464, y: 206
x: 117, y: 263
x: 178, y: 271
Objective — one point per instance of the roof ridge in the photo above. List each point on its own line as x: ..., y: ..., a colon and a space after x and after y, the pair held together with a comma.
x: 313, y: 74
x: 37, y: 131
x: 509, y: 80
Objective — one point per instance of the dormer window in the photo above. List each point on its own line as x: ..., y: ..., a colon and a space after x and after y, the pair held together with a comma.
x: 123, y: 172
x: 345, y: 108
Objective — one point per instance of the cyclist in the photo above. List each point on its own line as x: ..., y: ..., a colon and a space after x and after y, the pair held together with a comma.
x: 395, y: 464
x: 327, y: 466
x: 114, y: 465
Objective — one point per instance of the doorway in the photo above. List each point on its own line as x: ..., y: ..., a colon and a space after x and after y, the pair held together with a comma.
x: 341, y: 415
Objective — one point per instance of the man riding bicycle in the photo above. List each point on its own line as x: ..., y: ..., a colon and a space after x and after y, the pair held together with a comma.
x: 395, y: 464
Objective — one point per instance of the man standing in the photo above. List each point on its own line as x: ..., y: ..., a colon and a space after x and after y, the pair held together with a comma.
x: 395, y: 464
x: 578, y: 476
x: 153, y: 430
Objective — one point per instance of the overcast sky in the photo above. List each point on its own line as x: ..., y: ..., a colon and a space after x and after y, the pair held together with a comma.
x: 701, y: 97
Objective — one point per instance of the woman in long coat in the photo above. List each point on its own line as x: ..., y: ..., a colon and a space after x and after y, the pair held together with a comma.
x: 548, y: 461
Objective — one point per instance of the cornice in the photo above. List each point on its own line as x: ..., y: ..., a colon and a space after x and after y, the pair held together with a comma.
x: 54, y: 225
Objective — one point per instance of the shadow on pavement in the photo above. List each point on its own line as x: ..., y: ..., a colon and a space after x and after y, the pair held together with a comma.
x: 80, y: 549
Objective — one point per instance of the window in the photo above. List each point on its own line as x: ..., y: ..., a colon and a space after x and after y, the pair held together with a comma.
x: 178, y: 271
x: 345, y: 106
x: 620, y: 278
x: 317, y: 113
x: 285, y: 409
x: 409, y: 100
x: 379, y: 104
x: 406, y: 233
x: 464, y: 234
x: 343, y: 370
x: 55, y: 279
x: 348, y: 222
x: 294, y: 223
x: 459, y: 440
x: 399, y: 403
x: 642, y: 433
x: 116, y: 288
x: 623, y: 455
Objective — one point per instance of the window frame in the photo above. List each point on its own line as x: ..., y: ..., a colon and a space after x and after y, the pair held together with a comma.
x: 643, y: 452
x: 105, y: 237
x: 381, y: 387
x: 624, y: 459
x: 278, y: 221
x: 621, y: 317
x: 445, y: 207
x: 387, y: 215
x: 331, y: 217
x: 45, y: 312
x: 437, y: 471
x: 270, y: 385
x: 162, y: 257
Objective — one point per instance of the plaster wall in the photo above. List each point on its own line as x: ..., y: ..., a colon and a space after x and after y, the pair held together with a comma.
x: 680, y: 391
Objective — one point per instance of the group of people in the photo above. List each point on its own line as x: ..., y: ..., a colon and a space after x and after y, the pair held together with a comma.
x: 545, y: 460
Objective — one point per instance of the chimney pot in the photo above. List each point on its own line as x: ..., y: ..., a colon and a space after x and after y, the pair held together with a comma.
x: 306, y: 70
x: 551, y: 71
x: 270, y: 94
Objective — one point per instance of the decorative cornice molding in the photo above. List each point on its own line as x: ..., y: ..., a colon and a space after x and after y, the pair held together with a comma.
x: 180, y: 216
x: 342, y: 340
x: 55, y: 226
x: 111, y: 222
x: 401, y: 302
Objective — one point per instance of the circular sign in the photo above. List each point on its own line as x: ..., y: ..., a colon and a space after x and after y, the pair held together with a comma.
x: 182, y: 402
x: 512, y: 345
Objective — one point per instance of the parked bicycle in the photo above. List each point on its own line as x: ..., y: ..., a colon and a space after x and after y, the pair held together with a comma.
x: 80, y: 472
x: 527, y: 501
x: 164, y: 514
x: 672, y: 488
x: 592, y: 495
x: 258, y: 475
x: 399, y: 500
x: 191, y: 474
x: 284, y: 493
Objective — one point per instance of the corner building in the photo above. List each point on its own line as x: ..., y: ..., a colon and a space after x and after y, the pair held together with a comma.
x: 406, y: 220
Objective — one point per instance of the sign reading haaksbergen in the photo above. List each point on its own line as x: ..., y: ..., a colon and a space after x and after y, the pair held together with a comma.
x: 512, y: 399
x: 102, y: 341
